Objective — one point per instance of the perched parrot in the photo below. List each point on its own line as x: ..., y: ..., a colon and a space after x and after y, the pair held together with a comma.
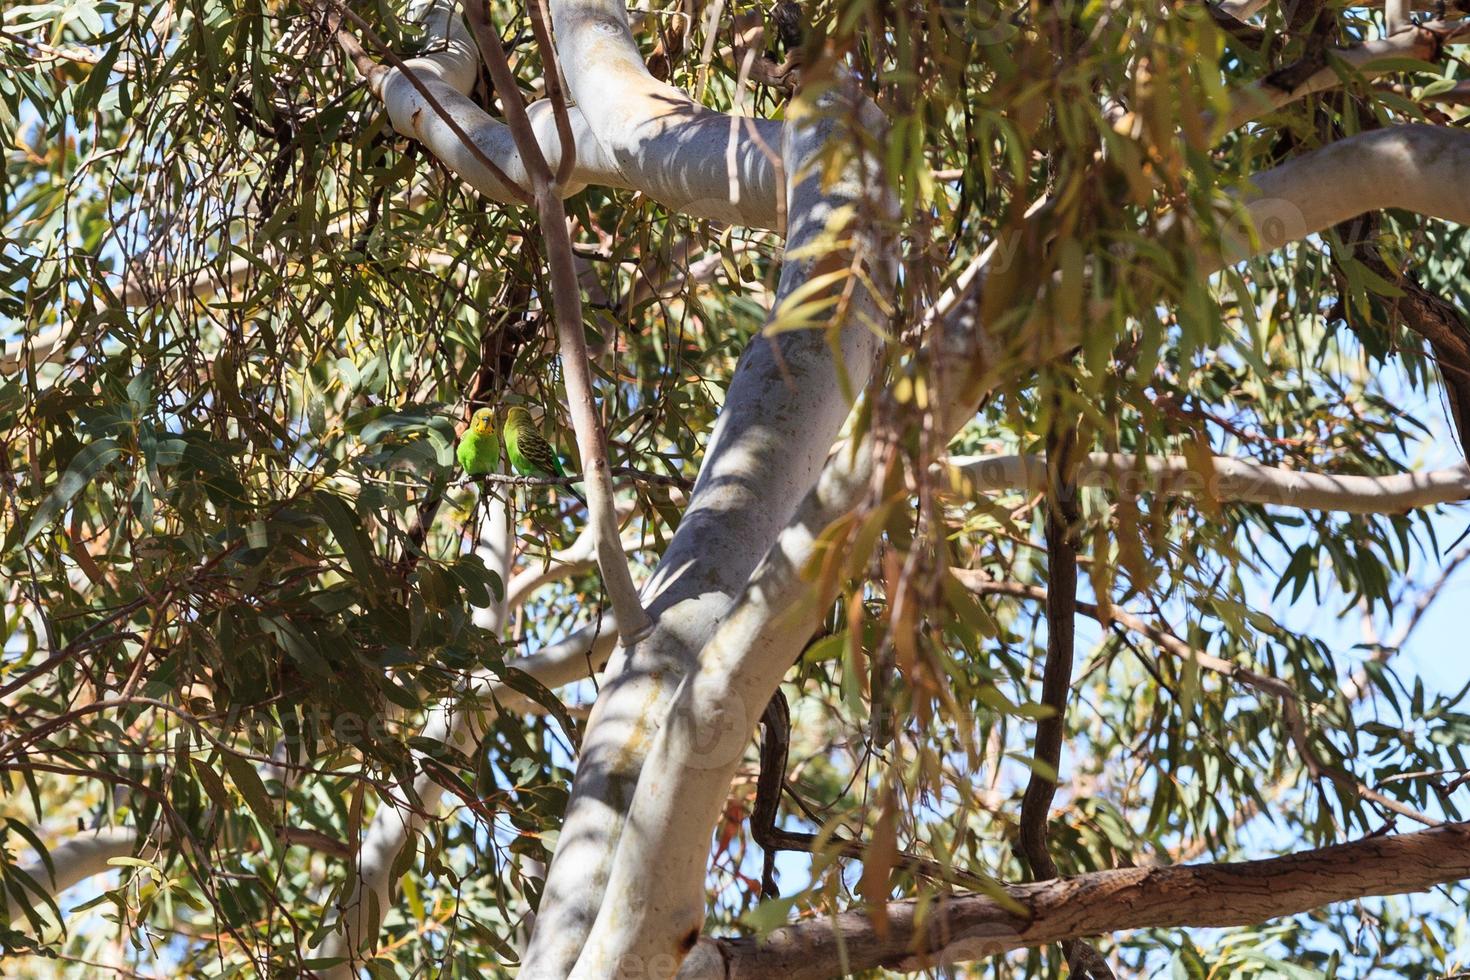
x: 479, y: 447
x: 529, y: 453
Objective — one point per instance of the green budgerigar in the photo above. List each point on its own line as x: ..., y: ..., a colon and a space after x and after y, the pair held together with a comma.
x: 479, y: 447
x: 529, y: 453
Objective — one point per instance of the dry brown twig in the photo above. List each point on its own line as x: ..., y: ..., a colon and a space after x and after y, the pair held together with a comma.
x: 1293, y: 719
x: 633, y: 621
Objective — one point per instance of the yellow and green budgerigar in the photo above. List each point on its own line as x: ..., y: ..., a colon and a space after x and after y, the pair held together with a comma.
x: 479, y: 447
x: 528, y: 452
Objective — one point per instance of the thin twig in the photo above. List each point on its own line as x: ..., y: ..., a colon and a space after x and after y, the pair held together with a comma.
x: 633, y: 621
x: 370, y: 70
x: 1356, y: 686
x: 1293, y: 719
x: 774, y: 751
x: 640, y: 476
x: 540, y: 19
x: 74, y: 54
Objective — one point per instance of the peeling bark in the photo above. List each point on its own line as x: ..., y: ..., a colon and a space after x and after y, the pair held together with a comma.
x: 972, y: 927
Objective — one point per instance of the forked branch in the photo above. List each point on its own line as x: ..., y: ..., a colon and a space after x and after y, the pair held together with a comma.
x: 633, y: 622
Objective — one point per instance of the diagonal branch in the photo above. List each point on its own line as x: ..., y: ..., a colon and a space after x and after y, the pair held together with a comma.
x: 1291, y: 708
x: 697, y: 749
x: 1370, y: 59
x: 633, y: 622
x: 924, y: 933
x: 374, y: 72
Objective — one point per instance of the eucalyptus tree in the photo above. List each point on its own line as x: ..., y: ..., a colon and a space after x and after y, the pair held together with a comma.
x: 907, y: 354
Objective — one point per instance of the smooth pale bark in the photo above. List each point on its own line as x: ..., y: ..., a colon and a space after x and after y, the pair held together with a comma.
x: 782, y: 412
x: 688, y: 773
x: 659, y: 140
x: 1415, y: 168
x: 669, y: 149
x: 1236, y: 480
x: 767, y: 447
x: 689, y: 178
x: 655, y: 903
x: 970, y: 927
x: 78, y: 857
x: 1397, y: 16
x: 1409, y: 167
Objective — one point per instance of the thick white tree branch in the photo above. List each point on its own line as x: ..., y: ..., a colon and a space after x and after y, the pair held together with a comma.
x: 655, y: 906
x: 767, y: 451
x: 664, y: 145
x: 654, y: 911
x: 1397, y: 16
x: 781, y: 413
x: 447, y: 71
x: 1231, y: 480
x: 1415, y: 168
x: 1409, y: 167
x: 658, y: 139
x: 77, y: 858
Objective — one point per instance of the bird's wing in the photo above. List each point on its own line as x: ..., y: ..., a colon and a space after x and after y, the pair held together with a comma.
x: 538, y: 451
